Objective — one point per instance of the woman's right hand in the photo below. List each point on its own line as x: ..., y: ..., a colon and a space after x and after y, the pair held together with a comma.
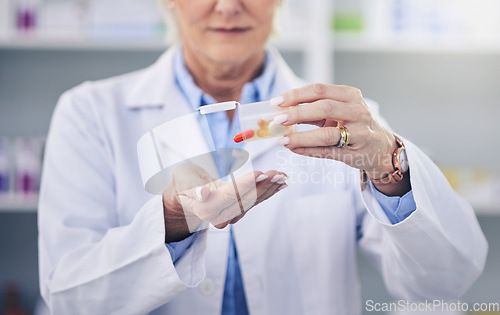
x: 193, y: 197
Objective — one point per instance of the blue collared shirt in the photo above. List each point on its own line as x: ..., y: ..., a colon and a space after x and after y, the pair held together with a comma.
x: 220, y: 133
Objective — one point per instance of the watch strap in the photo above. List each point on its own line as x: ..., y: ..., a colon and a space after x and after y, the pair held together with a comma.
x: 391, y: 178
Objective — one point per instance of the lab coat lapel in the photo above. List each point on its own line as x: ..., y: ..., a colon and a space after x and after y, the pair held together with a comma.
x: 156, y: 87
x: 178, y: 108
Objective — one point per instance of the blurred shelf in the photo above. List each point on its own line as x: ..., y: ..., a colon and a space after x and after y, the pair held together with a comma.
x: 300, y: 42
x: 486, y: 208
x: 82, y: 44
x: 297, y: 42
x: 33, y: 43
x: 11, y: 204
x: 357, y: 43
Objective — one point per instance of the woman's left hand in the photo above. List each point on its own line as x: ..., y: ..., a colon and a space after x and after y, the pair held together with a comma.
x: 329, y: 107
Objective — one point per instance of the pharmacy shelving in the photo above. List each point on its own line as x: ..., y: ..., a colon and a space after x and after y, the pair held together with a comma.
x: 486, y: 209
x: 80, y: 44
x: 296, y: 44
x: 357, y: 44
x: 11, y: 204
x: 316, y: 72
x: 339, y: 43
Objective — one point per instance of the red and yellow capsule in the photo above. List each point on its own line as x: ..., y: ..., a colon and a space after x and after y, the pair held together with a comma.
x: 244, y: 136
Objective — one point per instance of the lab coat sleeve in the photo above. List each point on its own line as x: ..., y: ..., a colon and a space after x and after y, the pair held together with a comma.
x: 89, y: 264
x: 435, y: 253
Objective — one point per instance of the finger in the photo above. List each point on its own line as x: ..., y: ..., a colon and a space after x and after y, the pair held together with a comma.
x: 249, y: 182
x: 221, y: 226
x: 189, y: 175
x: 278, y: 180
x: 226, y: 215
x: 317, y: 123
x: 272, y: 180
x: 320, y: 152
x: 225, y: 191
x: 320, y: 137
x: 222, y: 204
x: 273, y: 189
x: 271, y: 192
x: 192, y: 181
x: 200, y: 193
x: 318, y: 111
x: 268, y: 193
x: 214, y: 214
x: 251, y: 199
x: 235, y: 220
x: 318, y: 91
x: 275, y: 179
x: 235, y: 210
x: 321, y: 123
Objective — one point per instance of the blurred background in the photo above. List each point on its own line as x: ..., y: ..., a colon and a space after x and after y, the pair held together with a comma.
x: 432, y: 65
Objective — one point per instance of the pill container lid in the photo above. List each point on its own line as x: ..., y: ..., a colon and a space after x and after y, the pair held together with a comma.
x: 219, y: 107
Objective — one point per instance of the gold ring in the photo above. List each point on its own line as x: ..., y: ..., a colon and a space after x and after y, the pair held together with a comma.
x: 348, y: 136
x: 345, y: 137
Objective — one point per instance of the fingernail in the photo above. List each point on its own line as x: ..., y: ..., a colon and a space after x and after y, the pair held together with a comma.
x: 198, y: 193
x: 280, y: 118
x: 282, y: 187
x: 261, y: 178
x: 283, y: 141
x: 277, y: 101
x: 276, y: 178
x: 281, y: 181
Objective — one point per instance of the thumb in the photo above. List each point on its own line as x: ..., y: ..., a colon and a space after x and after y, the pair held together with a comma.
x: 193, y: 181
x: 200, y: 193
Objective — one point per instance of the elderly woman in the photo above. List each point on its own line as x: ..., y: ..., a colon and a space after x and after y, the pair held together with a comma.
x: 108, y: 247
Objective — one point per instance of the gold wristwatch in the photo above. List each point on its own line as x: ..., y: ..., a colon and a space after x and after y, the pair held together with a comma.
x: 399, y: 162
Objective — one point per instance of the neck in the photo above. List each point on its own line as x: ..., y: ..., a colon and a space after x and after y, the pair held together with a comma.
x: 223, y: 81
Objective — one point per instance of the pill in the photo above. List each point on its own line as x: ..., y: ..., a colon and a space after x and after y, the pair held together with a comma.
x: 244, y: 136
x: 263, y: 133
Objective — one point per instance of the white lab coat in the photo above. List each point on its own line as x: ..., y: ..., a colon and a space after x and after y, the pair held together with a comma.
x: 101, y: 238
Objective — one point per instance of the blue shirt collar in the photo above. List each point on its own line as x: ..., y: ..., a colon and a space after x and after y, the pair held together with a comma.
x: 257, y: 90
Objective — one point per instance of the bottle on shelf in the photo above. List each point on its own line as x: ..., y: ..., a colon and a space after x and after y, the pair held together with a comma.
x: 4, y: 168
x: 27, y: 167
x: 27, y: 15
x: 12, y: 300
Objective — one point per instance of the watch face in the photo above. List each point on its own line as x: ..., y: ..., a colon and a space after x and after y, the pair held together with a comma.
x: 403, y: 161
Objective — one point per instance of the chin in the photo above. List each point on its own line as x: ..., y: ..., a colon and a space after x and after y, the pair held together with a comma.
x: 233, y: 53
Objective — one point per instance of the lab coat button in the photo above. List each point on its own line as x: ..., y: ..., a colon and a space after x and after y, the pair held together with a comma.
x: 207, y: 287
